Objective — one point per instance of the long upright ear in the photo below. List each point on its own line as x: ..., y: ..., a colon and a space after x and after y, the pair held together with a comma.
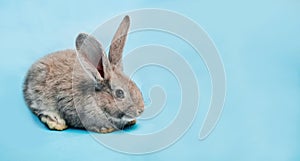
x: 117, y: 44
x: 92, y: 50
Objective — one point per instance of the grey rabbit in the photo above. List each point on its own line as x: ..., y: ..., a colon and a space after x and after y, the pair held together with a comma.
x: 84, y: 88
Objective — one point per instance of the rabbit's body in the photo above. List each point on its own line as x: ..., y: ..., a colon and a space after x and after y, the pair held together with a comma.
x: 75, y: 88
x: 47, y: 88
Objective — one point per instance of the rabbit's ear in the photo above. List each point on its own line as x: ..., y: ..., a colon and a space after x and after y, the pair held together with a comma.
x: 90, y: 48
x: 117, y: 44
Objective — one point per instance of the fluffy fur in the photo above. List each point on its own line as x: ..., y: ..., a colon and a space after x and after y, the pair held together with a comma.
x: 83, y: 88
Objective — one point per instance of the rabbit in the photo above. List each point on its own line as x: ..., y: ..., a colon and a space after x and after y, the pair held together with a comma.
x: 83, y: 88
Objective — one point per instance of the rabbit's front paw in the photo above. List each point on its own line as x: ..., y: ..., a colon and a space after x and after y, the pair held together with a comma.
x: 130, y: 123
x: 102, y: 130
x: 106, y: 130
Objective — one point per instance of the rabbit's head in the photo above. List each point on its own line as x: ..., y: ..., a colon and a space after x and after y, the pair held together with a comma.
x: 117, y: 95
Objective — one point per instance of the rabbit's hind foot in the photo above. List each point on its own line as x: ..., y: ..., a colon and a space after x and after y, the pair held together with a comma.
x: 53, y: 121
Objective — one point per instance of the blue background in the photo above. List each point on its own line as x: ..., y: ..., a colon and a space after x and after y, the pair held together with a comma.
x: 258, y: 41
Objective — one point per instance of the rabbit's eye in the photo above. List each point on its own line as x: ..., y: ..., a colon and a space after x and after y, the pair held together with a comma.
x: 119, y: 93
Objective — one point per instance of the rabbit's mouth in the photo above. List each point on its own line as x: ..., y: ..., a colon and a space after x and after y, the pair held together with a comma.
x: 122, y: 122
x: 127, y: 119
x: 120, y: 118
